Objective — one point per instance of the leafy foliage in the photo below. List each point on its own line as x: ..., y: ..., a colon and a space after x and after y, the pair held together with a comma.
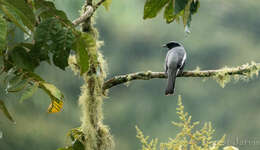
x: 152, y: 7
x: 52, y: 37
x: 21, y: 9
x: 188, y: 138
x: 174, y: 10
x: 47, y: 9
x: 19, y: 57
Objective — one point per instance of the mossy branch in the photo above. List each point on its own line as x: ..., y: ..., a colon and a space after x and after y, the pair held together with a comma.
x: 243, y: 70
x: 88, y: 13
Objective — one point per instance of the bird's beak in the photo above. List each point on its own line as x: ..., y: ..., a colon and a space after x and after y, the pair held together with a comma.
x: 164, y: 45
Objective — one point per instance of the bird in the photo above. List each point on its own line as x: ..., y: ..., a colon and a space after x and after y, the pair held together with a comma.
x: 174, y: 64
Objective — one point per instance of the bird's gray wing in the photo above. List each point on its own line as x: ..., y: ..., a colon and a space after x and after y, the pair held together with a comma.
x: 181, y: 56
x: 165, y: 65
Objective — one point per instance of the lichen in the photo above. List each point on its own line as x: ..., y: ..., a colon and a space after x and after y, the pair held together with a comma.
x: 73, y: 64
x: 97, y: 135
x: 244, y: 72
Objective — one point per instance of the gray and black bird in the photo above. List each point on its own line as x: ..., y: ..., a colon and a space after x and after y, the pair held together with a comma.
x: 174, y: 64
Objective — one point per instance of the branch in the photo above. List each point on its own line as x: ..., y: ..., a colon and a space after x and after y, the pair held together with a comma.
x: 99, y: 3
x: 88, y: 13
x: 241, y: 70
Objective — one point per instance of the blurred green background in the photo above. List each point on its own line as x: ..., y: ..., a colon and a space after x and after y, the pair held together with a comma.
x: 223, y: 33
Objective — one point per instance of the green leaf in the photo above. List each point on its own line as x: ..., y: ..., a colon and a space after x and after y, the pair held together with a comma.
x: 51, y: 36
x: 23, y: 10
x: 169, y: 15
x: 12, y: 15
x: 22, y: 59
x: 55, y: 95
x: 179, y: 5
x: 66, y: 148
x: 19, y: 86
x: 193, y: 9
x: 107, y: 4
x: 52, y: 90
x: 76, y: 145
x: 3, y: 33
x: 43, y: 39
x: 15, y: 83
x: 34, y: 77
x: 47, y: 9
x: 153, y: 7
x: 82, y: 55
x: 29, y: 92
x: 62, y: 43
x: 187, y: 13
x: 5, y: 111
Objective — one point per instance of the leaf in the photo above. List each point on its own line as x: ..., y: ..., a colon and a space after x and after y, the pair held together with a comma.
x: 55, y: 95
x: 55, y: 106
x: 43, y: 39
x: 23, y: 10
x: 29, y: 92
x: 51, y: 36
x: 107, y: 4
x: 169, y: 15
x: 34, y: 77
x: 18, y: 87
x: 22, y: 59
x: 179, y: 5
x: 16, y: 83
x: 82, y: 55
x: 187, y: 13
x: 3, y: 33
x: 193, y: 9
x: 62, y: 43
x: 48, y: 10
x: 11, y: 15
x: 153, y: 7
x: 5, y: 111
x: 76, y: 145
x: 67, y: 148
x: 52, y: 90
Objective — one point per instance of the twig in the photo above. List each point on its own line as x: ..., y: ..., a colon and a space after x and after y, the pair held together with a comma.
x: 88, y: 13
x: 241, y: 70
x: 99, y: 3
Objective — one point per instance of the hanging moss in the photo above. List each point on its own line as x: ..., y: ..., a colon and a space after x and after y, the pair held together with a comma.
x: 96, y: 135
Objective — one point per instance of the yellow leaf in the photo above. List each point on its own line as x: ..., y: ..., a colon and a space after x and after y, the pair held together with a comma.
x: 107, y: 4
x: 55, y: 106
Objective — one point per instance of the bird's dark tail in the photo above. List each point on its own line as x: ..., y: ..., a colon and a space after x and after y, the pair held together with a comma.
x: 171, y: 82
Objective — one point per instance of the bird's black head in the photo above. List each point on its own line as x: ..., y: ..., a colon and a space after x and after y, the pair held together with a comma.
x: 172, y: 44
